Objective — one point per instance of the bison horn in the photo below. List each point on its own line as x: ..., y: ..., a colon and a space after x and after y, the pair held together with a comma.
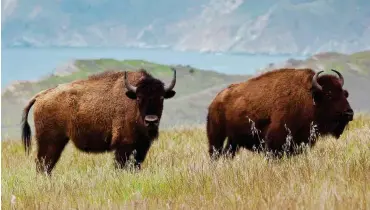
x: 315, y: 84
x: 173, y: 82
x: 128, y: 85
x: 340, y: 77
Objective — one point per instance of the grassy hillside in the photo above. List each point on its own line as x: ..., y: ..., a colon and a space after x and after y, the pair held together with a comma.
x: 358, y: 62
x: 177, y: 174
x: 195, y: 88
x: 195, y: 80
x: 190, y: 82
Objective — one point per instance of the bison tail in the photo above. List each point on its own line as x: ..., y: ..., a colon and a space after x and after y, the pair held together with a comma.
x: 26, y: 129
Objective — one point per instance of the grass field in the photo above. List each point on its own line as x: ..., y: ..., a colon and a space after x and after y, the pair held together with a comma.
x: 177, y: 174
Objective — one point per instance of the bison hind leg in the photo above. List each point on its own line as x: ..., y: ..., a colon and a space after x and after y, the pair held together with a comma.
x: 49, y: 152
x: 215, y: 144
x: 231, y: 147
x: 216, y: 136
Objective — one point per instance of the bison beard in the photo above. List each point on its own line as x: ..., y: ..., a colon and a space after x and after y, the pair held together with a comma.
x: 278, y: 103
x: 152, y: 131
x: 339, y: 128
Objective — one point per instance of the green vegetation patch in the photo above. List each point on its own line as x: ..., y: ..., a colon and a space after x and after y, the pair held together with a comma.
x: 98, y: 65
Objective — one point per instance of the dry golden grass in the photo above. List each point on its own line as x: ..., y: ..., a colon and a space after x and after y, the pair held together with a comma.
x: 178, y: 174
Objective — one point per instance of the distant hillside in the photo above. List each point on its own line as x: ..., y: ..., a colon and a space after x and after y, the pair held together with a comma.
x: 184, y: 108
x: 240, y: 26
x: 195, y: 88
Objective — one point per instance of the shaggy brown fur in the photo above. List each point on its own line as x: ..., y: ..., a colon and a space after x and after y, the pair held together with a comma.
x: 276, y: 103
x: 98, y: 114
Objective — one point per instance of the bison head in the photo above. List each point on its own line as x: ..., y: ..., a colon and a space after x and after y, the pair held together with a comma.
x: 333, y: 109
x: 149, y: 94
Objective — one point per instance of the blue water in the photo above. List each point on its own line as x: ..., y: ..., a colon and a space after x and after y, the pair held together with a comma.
x: 33, y: 63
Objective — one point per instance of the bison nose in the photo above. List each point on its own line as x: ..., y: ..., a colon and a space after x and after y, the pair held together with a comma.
x: 349, y: 114
x: 151, y: 120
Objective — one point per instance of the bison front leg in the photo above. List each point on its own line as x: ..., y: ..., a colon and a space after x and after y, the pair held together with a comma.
x: 278, y: 139
x: 122, y: 155
x: 141, y: 152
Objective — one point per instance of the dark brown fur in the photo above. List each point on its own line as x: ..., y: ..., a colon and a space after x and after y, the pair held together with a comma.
x: 275, y: 102
x: 98, y: 114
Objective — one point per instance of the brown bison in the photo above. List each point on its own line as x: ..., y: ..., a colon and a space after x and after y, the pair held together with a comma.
x: 258, y: 114
x: 117, y: 111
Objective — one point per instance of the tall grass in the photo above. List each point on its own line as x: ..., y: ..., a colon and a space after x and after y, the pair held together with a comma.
x: 178, y: 174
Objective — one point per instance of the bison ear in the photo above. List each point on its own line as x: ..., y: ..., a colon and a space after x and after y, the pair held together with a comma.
x: 169, y: 94
x: 131, y: 94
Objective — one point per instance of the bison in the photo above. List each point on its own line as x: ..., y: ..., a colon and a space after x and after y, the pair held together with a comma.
x: 258, y: 114
x: 118, y: 111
